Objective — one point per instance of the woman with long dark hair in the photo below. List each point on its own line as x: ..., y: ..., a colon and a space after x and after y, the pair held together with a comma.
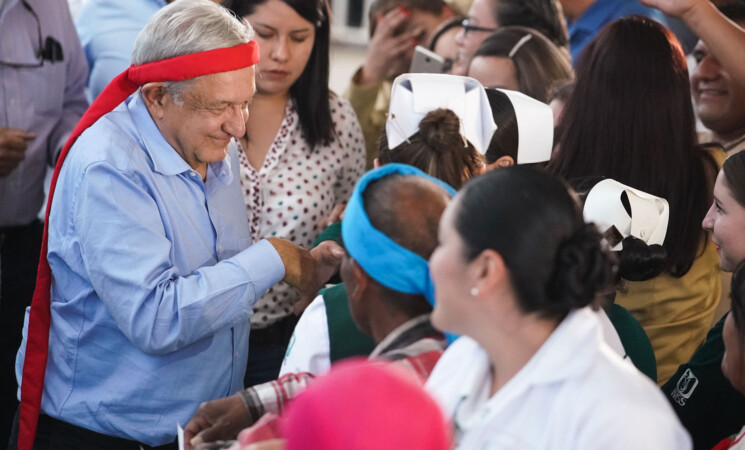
x: 630, y: 118
x: 302, y: 153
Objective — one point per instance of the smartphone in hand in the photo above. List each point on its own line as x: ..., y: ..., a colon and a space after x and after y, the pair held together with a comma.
x: 426, y: 61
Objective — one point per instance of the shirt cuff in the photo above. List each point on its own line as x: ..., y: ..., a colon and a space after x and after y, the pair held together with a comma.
x: 263, y: 265
x: 253, y: 404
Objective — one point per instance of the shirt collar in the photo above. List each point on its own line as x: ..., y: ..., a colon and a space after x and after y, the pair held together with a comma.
x: 568, y: 353
x: 734, y: 143
x: 165, y: 158
x: 223, y: 170
x: 405, y: 335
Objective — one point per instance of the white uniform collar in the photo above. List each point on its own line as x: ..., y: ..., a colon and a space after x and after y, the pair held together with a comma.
x: 568, y: 353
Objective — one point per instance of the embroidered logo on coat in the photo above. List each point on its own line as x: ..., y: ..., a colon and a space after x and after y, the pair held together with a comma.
x: 684, y: 388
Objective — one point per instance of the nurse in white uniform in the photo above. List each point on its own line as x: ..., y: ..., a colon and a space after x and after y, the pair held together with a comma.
x: 516, y: 274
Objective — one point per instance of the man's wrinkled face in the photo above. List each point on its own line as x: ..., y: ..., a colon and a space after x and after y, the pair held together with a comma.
x: 214, y: 110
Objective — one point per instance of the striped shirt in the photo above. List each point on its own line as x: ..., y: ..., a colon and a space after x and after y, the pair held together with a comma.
x: 414, y: 346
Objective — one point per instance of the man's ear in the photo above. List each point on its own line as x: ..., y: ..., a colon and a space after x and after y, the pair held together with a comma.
x: 155, y: 97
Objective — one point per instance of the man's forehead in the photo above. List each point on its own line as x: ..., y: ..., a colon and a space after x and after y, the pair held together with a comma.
x: 235, y: 87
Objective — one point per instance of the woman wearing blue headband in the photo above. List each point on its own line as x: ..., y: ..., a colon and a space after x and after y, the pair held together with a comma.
x: 518, y: 281
x: 390, y: 230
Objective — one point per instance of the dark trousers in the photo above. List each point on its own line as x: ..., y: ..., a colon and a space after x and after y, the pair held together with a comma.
x: 266, y: 350
x: 53, y: 434
x: 19, y: 260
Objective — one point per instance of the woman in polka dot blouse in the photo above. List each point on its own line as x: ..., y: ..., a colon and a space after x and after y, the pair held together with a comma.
x: 302, y: 154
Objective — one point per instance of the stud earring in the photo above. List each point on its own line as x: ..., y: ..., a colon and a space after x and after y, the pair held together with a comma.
x: 474, y: 291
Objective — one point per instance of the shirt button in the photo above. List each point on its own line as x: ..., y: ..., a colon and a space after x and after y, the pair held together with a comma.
x: 12, y: 102
x: 194, y: 174
x: 219, y: 248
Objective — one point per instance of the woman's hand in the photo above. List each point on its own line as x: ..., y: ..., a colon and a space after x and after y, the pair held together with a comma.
x: 388, y: 48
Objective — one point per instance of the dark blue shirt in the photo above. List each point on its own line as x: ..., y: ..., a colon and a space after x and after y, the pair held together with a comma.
x: 602, y: 12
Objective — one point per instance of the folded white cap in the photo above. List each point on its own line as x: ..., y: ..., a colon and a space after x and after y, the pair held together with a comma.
x: 535, y: 127
x: 648, y: 220
x: 416, y: 94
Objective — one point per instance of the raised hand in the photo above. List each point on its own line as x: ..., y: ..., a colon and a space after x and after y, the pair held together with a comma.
x: 390, y: 48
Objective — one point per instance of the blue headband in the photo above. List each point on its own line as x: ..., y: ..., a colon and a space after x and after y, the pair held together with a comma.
x: 385, y: 261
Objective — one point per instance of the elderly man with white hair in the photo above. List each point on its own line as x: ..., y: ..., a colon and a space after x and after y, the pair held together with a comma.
x: 142, y: 306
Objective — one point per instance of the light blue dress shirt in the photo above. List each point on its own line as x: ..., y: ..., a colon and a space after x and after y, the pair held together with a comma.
x: 107, y: 30
x: 154, y: 282
x: 583, y: 30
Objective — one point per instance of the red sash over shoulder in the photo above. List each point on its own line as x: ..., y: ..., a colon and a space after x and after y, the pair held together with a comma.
x: 125, y: 84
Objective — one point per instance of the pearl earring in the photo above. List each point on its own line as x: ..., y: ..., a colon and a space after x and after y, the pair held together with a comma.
x: 474, y: 291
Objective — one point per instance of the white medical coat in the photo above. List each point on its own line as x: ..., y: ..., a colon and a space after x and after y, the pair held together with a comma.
x: 574, y: 393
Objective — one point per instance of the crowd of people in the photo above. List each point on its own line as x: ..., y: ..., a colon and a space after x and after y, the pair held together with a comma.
x: 541, y: 247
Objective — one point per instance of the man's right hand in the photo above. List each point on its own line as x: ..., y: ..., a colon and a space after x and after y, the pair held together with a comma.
x: 388, y: 47
x: 13, y: 145
x: 220, y: 419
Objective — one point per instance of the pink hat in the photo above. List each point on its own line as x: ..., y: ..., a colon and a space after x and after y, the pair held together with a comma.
x: 363, y: 405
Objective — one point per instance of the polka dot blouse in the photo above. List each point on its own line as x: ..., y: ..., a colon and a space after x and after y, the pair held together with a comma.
x: 296, y: 188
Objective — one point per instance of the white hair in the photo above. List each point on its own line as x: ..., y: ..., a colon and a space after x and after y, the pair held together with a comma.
x: 184, y: 27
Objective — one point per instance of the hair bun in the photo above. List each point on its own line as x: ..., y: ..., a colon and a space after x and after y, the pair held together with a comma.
x: 639, y: 261
x: 583, y: 268
x: 440, y: 130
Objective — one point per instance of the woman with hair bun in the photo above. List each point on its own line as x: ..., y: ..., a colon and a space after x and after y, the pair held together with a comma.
x: 518, y: 280
x: 514, y: 112
x: 634, y: 224
x: 437, y: 149
x: 433, y: 144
